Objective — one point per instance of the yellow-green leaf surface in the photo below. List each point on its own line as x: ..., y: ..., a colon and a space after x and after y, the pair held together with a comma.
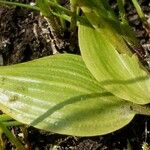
x: 59, y: 94
x: 103, y: 19
x: 120, y: 74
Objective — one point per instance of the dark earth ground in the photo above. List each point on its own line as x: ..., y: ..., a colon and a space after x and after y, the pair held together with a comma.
x: 24, y: 36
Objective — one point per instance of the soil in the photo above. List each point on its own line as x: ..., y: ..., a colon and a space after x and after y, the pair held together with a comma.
x: 24, y: 36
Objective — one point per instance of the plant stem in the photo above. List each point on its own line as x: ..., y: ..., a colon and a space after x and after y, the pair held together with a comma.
x: 74, y: 15
x: 8, y: 121
x: 11, y: 137
x: 139, y: 10
x: 12, y: 123
x: 121, y: 10
x: 61, y: 11
x: 1, y: 147
x: 141, y: 15
x: 5, y: 117
x: 20, y: 5
x: 62, y: 21
x: 1, y: 140
x: 141, y: 109
x: 59, y: 8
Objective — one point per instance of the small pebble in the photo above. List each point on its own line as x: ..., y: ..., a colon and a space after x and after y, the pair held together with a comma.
x: 32, y: 3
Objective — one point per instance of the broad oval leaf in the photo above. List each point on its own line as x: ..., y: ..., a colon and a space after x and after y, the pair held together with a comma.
x: 59, y: 94
x: 120, y: 74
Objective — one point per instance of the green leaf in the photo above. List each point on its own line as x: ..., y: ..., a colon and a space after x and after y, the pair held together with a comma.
x: 44, y: 7
x: 118, y: 73
x: 59, y: 94
x: 102, y: 18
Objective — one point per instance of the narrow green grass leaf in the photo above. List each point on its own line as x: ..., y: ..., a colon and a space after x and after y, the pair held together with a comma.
x: 59, y: 94
x: 27, y: 6
x: 14, y: 140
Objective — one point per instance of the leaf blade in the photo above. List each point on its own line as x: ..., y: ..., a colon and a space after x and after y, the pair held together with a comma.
x: 74, y: 105
x: 120, y: 74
